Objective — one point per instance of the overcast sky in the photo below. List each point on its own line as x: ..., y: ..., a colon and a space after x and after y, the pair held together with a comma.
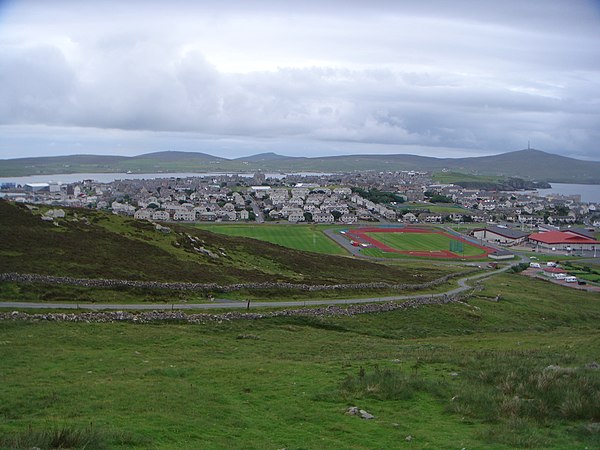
x: 439, y: 78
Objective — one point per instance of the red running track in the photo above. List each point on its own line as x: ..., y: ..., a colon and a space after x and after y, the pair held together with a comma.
x: 360, y: 235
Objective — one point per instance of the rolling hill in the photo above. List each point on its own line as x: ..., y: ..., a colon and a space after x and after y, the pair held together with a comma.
x: 93, y: 244
x: 527, y: 164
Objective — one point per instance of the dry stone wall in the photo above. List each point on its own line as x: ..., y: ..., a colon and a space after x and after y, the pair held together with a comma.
x: 180, y: 317
x: 214, y: 287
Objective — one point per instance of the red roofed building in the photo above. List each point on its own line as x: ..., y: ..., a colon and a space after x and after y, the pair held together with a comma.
x: 563, y: 240
x: 554, y: 270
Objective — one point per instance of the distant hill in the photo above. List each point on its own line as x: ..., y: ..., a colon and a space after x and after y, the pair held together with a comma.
x: 263, y: 157
x: 174, y: 156
x: 531, y: 164
x: 59, y: 164
x: 527, y: 164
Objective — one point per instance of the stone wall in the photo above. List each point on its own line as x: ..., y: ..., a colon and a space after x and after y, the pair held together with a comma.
x: 213, y: 287
x: 180, y: 317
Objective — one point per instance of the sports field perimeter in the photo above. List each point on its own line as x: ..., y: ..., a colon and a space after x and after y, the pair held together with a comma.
x: 419, y: 242
x: 307, y: 238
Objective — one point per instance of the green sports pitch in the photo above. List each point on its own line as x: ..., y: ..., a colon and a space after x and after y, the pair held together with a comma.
x: 308, y: 238
x: 424, y: 242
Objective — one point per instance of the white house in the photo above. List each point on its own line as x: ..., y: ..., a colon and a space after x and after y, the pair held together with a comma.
x: 323, y: 218
x: 296, y: 216
x: 160, y: 215
x: 143, y: 214
x: 187, y: 216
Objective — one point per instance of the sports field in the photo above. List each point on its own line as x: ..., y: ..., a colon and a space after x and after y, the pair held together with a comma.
x: 417, y: 242
x: 422, y: 242
x: 308, y: 238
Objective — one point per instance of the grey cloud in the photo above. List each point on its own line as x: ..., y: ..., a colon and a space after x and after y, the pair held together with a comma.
x: 36, y: 85
x: 468, y: 75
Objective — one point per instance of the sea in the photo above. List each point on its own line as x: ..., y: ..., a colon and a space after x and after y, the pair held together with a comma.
x: 590, y: 193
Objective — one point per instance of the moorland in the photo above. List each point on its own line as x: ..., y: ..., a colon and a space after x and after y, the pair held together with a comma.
x: 511, y: 364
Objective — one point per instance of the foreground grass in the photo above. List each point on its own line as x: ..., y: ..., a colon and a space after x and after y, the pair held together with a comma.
x: 308, y: 238
x: 461, y: 375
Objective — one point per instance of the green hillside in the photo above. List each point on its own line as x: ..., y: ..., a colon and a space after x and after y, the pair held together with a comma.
x: 92, y: 244
x: 526, y: 164
x: 517, y: 373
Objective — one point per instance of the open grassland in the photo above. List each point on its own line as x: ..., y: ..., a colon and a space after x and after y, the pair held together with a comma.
x: 422, y: 242
x: 92, y: 244
x: 482, y: 374
x: 454, y: 177
x: 308, y: 238
x: 583, y: 271
x: 435, y: 208
x: 64, y: 293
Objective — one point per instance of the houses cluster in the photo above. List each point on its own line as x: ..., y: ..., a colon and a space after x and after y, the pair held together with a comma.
x: 305, y: 202
x: 207, y: 206
x: 527, y: 208
x: 318, y: 198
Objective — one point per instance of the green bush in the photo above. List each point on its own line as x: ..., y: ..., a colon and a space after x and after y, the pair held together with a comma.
x: 387, y: 384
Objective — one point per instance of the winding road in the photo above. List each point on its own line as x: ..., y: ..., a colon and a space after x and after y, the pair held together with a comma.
x: 229, y: 304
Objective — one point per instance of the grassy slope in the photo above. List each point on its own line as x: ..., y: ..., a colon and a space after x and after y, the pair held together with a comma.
x: 183, y: 386
x: 453, y: 177
x: 116, y: 247
x: 421, y: 242
x: 308, y: 238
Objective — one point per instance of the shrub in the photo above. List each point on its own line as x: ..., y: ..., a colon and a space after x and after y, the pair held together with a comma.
x: 388, y: 384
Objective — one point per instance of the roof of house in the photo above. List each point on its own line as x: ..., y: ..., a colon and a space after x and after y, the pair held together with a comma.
x: 506, y: 232
x: 561, y: 237
x: 580, y: 231
x: 554, y: 270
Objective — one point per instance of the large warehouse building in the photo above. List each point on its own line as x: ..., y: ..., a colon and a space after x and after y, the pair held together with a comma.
x: 500, y: 235
x: 563, y: 240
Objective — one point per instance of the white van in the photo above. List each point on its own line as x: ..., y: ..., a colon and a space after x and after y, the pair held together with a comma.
x: 571, y: 279
x: 551, y: 264
x: 536, y: 265
x: 559, y: 276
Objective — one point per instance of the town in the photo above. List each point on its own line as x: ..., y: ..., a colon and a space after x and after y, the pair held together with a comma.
x: 506, y: 218
x: 408, y: 196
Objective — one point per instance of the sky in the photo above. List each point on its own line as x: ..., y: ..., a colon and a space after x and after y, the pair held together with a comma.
x: 310, y: 78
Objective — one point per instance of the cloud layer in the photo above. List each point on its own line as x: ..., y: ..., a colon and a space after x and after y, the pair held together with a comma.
x: 335, y: 77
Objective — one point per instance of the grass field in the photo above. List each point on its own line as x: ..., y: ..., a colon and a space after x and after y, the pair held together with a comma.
x: 453, y: 177
x: 308, y: 238
x: 464, y: 375
x: 94, y: 244
x: 436, y: 208
x: 422, y: 242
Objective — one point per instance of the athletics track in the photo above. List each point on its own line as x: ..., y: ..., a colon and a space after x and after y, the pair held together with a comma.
x: 360, y: 235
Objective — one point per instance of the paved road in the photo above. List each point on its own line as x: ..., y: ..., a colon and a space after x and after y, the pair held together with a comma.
x: 344, y: 242
x: 257, y: 211
x: 228, y: 304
